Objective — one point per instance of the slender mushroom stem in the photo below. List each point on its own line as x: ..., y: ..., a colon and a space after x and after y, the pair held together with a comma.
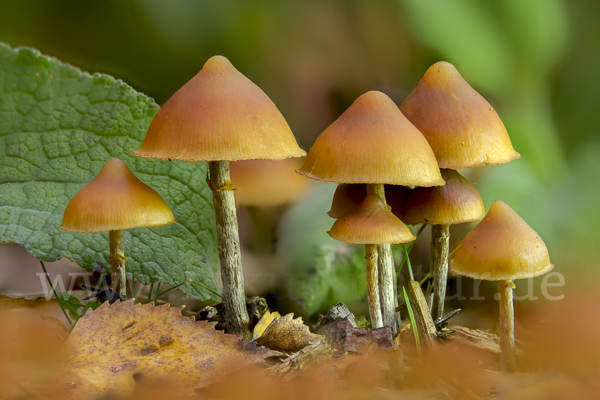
x: 117, y: 259
x: 236, y: 315
x: 373, y: 286
x: 387, y: 279
x: 507, y: 325
x: 440, y: 246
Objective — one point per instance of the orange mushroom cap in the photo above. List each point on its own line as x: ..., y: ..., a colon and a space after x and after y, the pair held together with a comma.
x: 456, y: 202
x: 346, y: 199
x: 371, y: 223
x: 267, y: 182
x: 372, y: 142
x: 348, y: 196
x: 462, y: 128
x: 502, y: 247
x: 115, y: 200
x: 219, y: 115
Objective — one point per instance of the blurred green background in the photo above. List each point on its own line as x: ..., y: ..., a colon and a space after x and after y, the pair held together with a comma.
x: 535, y: 61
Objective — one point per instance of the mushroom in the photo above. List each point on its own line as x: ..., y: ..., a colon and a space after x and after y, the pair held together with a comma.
x: 221, y: 116
x: 371, y: 224
x: 347, y: 198
x: 456, y: 202
x: 502, y: 248
x: 263, y: 188
x: 115, y: 200
x: 464, y: 131
x: 373, y: 143
x: 266, y: 183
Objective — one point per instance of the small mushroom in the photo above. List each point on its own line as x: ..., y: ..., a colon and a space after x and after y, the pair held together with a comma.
x: 263, y: 188
x: 457, y: 202
x: 503, y: 248
x: 267, y: 183
x: 221, y: 116
x: 348, y: 196
x: 116, y: 200
x: 371, y: 224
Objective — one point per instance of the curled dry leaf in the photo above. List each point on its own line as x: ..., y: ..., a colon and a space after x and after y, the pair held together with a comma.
x: 115, y: 342
x: 263, y: 324
x: 284, y: 334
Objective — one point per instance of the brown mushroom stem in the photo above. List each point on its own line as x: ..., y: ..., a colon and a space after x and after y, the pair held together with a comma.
x: 507, y: 325
x: 387, y: 279
x: 373, y: 286
x: 440, y: 246
x: 234, y: 298
x: 117, y: 259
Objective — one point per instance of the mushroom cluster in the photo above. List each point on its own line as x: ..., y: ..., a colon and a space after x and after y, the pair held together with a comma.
x: 464, y: 131
x: 393, y: 165
x: 373, y: 143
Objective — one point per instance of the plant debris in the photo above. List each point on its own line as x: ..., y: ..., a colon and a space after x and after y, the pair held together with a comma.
x: 115, y: 345
x: 284, y: 334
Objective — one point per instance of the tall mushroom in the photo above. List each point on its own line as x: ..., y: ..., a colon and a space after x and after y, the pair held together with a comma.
x: 464, y: 131
x: 502, y: 248
x: 221, y: 116
x: 115, y: 200
x: 371, y: 224
x: 456, y: 202
x: 373, y: 143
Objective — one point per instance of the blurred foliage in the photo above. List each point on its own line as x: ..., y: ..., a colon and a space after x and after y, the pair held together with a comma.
x: 318, y: 271
x: 536, y: 61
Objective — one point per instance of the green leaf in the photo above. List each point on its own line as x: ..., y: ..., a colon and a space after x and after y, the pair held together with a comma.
x: 320, y: 271
x: 58, y: 126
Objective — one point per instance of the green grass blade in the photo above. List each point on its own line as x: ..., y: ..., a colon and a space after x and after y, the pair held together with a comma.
x: 410, y: 249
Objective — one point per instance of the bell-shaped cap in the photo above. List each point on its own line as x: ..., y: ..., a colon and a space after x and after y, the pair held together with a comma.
x: 115, y: 200
x: 219, y: 115
x: 266, y: 182
x: 348, y: 196
x: 501, y: 247
x: 346, y: 199
x: 454, y: 203
x: 371, y: 223
x: 462, y: 128
x: 372, y: 142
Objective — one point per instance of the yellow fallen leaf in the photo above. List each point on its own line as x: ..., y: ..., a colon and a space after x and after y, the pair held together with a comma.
x: 286, y: 334
x: 264, y: 323
x: 115, y: 342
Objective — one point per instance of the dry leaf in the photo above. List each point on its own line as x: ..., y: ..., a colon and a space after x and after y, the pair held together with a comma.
x: 286, y: 334
x: 115, y: 342
x: 264, y: 323
x: 346, y: 338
